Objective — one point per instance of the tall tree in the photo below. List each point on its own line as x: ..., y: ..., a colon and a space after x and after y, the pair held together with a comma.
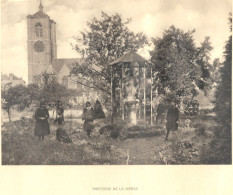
x: 180, y: 66
x: 220, y: 149
x: 223, y: 92
x: 104, y: 40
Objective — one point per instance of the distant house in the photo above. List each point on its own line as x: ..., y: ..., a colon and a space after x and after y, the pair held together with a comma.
x: 11, y: 80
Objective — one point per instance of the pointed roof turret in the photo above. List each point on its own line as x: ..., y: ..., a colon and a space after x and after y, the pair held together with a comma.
x: 41, y: 6
x: 40, y: 13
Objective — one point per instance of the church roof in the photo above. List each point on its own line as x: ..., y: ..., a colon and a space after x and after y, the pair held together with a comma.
x: 40, y: 13
x: 69, y: 62
x: 51, y: 70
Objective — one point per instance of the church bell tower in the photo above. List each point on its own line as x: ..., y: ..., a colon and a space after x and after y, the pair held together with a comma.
x: 41, y: 42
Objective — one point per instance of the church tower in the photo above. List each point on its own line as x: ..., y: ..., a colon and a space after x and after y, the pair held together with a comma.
x: 41, y: 42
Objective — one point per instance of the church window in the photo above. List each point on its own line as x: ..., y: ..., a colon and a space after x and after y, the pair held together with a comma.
x: 39, y: 30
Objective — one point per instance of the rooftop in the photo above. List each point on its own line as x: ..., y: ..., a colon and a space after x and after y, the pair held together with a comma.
x: 69, y: 62
x: 39, y: 14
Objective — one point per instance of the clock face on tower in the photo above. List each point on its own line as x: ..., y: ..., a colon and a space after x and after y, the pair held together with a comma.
x: 39, y: 46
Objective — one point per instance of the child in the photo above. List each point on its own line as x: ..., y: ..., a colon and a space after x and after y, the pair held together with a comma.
x: 88, y: 117
x: 59, y: 113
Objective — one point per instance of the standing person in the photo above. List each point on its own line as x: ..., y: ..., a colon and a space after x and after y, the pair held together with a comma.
x: 88, y: 117
x: 42, y: 125
x: 98, y: 110
x: 59, y: 113
x: 172, y: 119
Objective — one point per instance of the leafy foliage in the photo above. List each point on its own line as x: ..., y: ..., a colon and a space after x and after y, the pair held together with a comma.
x: 223, y: 93
x: 15, y: 96
x: 220, y: 149
x: 105, y: 39
x: 51, y: 91
x: 215, y: 71
x: 34, y: 91
x: 180, y: 65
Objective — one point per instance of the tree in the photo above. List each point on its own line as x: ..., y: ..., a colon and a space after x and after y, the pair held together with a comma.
x: 223, y: 92
x: 178, y: 65
x: 105, y: 39
x: 219, y: 150
x: 203, y: 61
x: 34, y: 92
x: 215, y: 72
x: 53, y: 91
x: 48, y: 89
x: 15, y: 96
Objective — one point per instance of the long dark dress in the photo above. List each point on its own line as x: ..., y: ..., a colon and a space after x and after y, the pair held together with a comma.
x: 42, y: 125
x: 98, y: 110
x: 88, y: 117
x: 172, y: 118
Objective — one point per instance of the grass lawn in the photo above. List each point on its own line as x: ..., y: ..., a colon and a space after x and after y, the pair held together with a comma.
x: 144, y: 145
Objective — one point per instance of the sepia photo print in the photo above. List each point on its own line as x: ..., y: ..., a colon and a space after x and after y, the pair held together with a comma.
x: 102, y: 82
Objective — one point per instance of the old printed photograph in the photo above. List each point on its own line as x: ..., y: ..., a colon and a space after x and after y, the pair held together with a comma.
x: 123, y: 82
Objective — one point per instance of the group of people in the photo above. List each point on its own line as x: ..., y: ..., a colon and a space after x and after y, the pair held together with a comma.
x: 42, y: 116
x: 89, y: 115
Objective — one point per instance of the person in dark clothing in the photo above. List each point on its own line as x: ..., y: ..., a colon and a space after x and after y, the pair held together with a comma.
x: 160, y: 113
x: 42, y: 125
x: 172, y: 119
x: 59, y: 113
x: 88, y: 117
x: 98, y: 110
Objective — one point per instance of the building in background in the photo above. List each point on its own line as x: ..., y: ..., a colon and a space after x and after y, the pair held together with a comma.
x: 11, y: 81
x: 42, y: 50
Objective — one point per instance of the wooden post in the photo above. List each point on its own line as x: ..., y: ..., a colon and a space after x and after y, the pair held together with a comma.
x: 151, y: 98
x: 144, y: 92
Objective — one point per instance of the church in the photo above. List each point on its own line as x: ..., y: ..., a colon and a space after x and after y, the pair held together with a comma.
x: 42, y: 50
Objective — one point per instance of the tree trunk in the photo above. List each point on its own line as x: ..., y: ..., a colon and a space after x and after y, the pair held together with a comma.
x: 8, y: 112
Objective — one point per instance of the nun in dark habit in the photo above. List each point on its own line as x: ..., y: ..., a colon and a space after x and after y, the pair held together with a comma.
x: 42, y: 125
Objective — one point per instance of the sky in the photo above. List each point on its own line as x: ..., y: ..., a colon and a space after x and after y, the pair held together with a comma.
x: 152, y: 17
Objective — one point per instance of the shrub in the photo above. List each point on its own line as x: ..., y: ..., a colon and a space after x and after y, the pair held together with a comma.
x: 219, y: 149
x: 200, y: 129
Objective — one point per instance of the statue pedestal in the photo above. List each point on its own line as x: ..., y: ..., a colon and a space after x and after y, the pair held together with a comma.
x: 132, y: 110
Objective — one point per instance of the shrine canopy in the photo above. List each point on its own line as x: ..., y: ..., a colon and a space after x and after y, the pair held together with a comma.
x: 132, y: 57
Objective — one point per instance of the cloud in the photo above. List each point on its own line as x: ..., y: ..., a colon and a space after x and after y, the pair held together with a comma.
x: 14, y: 49
x: 152, y: 17
x: 64, y: 49
x: 13, y: 61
